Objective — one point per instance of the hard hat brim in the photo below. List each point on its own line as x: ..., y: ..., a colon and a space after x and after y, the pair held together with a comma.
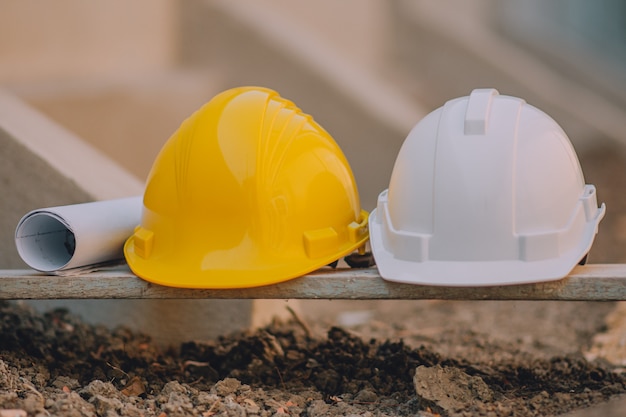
x: 474, y: 273
x: 245, y: 274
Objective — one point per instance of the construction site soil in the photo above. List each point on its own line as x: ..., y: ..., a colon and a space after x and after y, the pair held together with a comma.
x: 367, y: 358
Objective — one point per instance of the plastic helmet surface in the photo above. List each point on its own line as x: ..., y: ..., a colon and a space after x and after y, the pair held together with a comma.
x: 248, y: 191
x: 486, y: 190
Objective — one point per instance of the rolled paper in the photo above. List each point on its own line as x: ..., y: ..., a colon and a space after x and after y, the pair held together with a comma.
x: 78, y: 235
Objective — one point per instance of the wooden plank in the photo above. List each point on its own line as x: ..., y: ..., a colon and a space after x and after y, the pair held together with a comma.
x: 599, y: 282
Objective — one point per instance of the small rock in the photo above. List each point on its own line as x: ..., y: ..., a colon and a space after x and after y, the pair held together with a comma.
x: 449, y: 389
x: 177, y: 404
x: 70, y: 405
x: 366, y: 396
x: 227, y: 386
x: 318, y: 408
x: 134, y: 387
x: 64, y: 381
x: 206, y: 398
x: 173, y: 387
x: 106, y: 406
x: 97, y: 387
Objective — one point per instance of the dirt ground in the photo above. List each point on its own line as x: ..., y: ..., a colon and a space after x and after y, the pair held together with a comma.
x: 365, y: 358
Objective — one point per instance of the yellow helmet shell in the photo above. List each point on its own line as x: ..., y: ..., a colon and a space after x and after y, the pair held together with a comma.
x: 248, y: 191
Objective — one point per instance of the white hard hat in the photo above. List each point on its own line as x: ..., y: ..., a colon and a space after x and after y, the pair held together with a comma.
x: 486, y: 190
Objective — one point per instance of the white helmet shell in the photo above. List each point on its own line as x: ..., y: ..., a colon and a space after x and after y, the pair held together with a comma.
x: 486, y: 190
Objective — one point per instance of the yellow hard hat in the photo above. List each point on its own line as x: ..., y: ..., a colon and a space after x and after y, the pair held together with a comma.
x: 248, y: 191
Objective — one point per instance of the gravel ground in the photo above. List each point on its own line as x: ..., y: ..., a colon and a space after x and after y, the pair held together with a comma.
x: 56, y: 364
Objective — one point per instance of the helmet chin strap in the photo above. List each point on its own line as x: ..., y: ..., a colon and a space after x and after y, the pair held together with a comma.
x: 360, y: 260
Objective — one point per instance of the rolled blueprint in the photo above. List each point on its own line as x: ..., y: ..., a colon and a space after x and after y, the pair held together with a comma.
x: 79, y: 235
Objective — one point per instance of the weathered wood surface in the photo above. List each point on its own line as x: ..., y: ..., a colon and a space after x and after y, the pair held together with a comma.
x: 599, y: 282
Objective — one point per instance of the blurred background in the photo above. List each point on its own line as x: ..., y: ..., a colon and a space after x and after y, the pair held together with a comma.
x: 123, y: 75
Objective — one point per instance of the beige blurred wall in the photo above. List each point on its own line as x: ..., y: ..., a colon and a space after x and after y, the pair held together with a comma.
x: 42, y: 41
x: 358, y: 29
